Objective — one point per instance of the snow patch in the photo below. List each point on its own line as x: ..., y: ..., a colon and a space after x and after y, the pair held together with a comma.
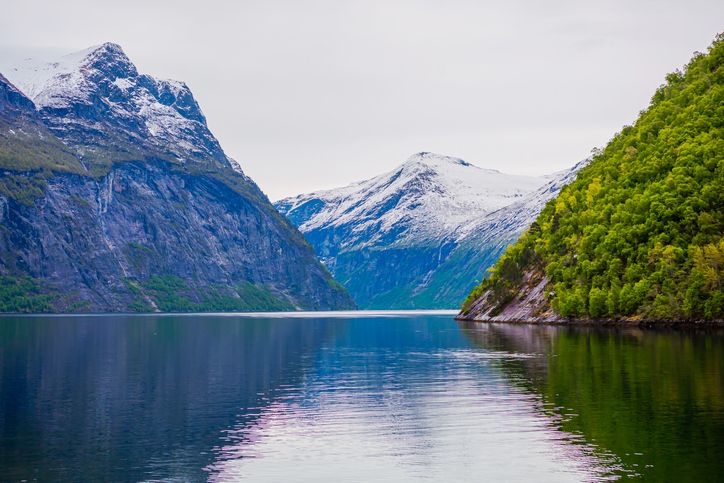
x: 122, y: 83
x: 429, y: 196
x: 103, y: 78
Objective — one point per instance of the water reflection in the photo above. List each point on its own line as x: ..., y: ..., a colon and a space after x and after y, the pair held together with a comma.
x: 132, y: 398
x: 350, y: 398
x: 404, y: 400
x: 655, y: 399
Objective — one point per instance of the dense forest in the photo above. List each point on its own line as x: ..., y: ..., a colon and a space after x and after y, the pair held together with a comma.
x: 640, y: 231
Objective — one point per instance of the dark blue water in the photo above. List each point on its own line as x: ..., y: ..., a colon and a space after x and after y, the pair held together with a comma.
x: 354, y: 398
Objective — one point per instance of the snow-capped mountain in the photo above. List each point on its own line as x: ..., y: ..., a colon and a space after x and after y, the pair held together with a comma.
x: 480, y: 243
x: 97, y: 99
x: 428, y: 197
x: 519, y: 215
x: 420, y: 235
x: 115, y: 196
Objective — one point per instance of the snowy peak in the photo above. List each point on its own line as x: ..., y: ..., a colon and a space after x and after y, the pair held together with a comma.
x: 437, y: 162
x: 467, y: 183
x: 99, y: 90
x: 432, y: 160
x: 427, y: 197
x: 110, y: 58
x: 54, y: 83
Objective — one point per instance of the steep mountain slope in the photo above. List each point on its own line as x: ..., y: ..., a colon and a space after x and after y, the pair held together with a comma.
x: 401, y: 239
x: 96, y: 101
x: 25, y: 142
x: 639, y: 234
x: 115, y: 196
x: 479, y: 244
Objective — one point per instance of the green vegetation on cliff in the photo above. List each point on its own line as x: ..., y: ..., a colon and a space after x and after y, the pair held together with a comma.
x: 24, y: 294
x: 171, y: 294
x: 640, y: 231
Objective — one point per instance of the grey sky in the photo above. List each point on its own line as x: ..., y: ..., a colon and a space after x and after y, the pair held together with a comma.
x: 316, y: 94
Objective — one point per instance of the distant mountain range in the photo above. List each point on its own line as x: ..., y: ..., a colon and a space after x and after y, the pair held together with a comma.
x: 422, y: 235
x: 115, y: 196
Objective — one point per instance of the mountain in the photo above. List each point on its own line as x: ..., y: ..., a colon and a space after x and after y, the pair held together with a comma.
x: 115, y: 196
x: 639, y: 235
x: 413, y: 237
x: 480, y: 243
x: 96, y: 101
x: 25, y: 142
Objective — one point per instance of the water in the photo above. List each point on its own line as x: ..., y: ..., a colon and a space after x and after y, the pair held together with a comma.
x: 361, y: 397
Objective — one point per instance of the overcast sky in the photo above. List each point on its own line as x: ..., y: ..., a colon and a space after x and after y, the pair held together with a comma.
x: 316, y: 94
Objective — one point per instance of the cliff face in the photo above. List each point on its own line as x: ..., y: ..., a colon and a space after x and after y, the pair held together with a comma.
x: 112, y: 203
x: 99, y: 242
x: 528, y: 304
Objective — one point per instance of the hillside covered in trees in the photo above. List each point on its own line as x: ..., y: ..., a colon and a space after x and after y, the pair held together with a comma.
x: 639, y: 234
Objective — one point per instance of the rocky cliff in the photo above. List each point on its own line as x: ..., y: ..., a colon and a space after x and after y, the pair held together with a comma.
x: 115, y: 196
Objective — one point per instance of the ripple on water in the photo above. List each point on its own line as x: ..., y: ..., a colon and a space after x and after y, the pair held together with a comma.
x: 441, y: 415
x: 354, y: 397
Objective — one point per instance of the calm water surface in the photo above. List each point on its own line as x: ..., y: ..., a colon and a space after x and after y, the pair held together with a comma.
x: 355, y: 398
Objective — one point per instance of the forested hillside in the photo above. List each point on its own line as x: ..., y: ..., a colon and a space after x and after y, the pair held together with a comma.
x: 639, y: 233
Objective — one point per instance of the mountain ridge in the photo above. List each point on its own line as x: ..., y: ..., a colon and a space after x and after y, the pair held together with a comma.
x: 100, y: 212
x: 97, y: 100
x: 398, y: 240
x: 426, y: 186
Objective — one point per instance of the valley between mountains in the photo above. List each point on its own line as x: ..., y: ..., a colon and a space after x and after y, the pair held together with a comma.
x: 423, y: 235
x: 635, y: 234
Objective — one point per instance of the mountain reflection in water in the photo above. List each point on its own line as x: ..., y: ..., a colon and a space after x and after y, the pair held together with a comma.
x: 350, y: 397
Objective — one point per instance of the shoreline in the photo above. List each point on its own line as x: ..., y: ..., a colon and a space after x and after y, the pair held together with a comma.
x: 290, y: 314
x: 624, y: 323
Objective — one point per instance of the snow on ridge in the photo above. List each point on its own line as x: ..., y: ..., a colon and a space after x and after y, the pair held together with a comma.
x: 520, y: 214
x: 45, y: 81
x: 428, y: 196
x: 122, y: 83
x: 103, y: 74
